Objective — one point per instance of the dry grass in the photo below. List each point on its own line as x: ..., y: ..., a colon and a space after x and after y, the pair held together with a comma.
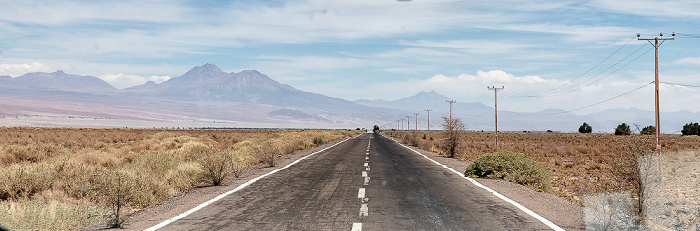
x: 578, y: 163
x: 52, y: 177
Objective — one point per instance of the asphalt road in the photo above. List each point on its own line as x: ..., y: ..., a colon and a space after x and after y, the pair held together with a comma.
x: 367, y: 183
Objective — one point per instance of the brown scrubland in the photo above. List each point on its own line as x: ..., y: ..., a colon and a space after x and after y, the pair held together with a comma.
x: 57, y: 178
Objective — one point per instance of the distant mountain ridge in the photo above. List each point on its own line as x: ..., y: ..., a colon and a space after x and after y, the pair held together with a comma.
x: 209, y: 96
x: 58, y: 80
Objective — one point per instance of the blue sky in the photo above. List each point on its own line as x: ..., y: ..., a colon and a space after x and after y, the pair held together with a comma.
x: 570, y: 54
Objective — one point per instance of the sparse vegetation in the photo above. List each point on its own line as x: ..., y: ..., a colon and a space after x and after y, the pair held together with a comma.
x: 622, y: 130
x: 510, y: 166
x: 585, y: 128
x: 72, y: 178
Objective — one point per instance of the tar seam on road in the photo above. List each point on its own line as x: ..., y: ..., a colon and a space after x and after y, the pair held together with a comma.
x: 188, y: 212
x: 494, y: 192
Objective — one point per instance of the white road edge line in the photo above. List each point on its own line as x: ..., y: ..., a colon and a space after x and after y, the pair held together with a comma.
x: 356, y: 227
x: 188, y: 212
x: 494, y: 192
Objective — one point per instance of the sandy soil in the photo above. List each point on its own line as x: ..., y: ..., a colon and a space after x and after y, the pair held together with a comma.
x: 565, y: 214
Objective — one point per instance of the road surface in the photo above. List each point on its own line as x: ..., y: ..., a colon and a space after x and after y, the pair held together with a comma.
x: 366, y: 183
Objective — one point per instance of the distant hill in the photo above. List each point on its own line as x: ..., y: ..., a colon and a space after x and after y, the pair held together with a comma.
x: 57, y: 81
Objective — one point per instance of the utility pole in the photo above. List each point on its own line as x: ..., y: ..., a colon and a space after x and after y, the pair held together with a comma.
x: 495, y: 96
x: 428, y: 110
x: 451, y: 102
x: 416, y: 121
x: 408, y: 123
x: 656, y: 45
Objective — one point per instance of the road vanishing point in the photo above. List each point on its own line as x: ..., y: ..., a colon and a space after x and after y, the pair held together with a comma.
x: 368, y: 182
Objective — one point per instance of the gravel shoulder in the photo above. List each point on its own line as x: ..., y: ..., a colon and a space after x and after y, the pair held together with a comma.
x: 565, y: 214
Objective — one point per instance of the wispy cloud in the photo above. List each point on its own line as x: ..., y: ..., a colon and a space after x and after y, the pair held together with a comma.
x: 18, y: 69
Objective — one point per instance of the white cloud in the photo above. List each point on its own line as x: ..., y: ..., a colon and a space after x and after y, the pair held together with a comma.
x: 689, y: 60
x: 124, y: 80
x: 16, y: 70
x: 667, y: 9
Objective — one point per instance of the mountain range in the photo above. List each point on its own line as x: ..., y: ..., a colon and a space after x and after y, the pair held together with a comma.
x: 206, y: 96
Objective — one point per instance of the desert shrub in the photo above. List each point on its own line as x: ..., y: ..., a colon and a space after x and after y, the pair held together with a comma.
x: 267, y: 152
x: 29, y: 214
x: 623, y: 129
x: 510, y: 166
x: 453, y: 129
x: 648, y: 130
x: 115, y: 190
x: 318, y: 140
x: 585, y: 128
x: 20, y: 181
x: 216, y: 165
x: 691, y: 129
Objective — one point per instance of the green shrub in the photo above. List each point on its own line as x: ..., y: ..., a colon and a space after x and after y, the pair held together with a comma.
x: 318, y: 140
x: 623, y: 129
x: 585, y: 128
x: 511, y: 167
x: 648, y: 130
x: 691, y: 129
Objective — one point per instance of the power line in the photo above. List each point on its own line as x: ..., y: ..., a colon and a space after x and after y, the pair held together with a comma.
x: 570, y: 89
x: 562, y: 112
x: 679, y: 84
x: 589, y: 70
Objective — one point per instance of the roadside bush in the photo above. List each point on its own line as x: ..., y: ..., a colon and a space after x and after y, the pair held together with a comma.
x: 691, y: 129
x: 267, y: 152
x: 216, y: 165
x: 454, y: 129
x: 510, y: 166
x: 585, y: 128
x: 318, y: 140
x: 622, y: 130
x: 648, y: 130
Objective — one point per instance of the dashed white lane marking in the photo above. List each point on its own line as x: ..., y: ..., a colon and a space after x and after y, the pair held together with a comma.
x: 361, y: 193
x: 364, y: 173
x: 356, y: 227
x: 367, y: 180
x: 178, y: 217
x: 366, y: 157
x: 364, y: 211
x: 494, y: 192
x: 366, y: 164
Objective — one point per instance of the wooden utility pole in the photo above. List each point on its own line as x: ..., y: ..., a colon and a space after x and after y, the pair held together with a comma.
x: 451, y: 102
x: 428, y: 110
x: 656, y: 45
x: 416, y: 121
x: 495, y: 96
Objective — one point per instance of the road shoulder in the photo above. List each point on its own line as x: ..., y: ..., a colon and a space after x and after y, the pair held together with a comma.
x: 567, y: 215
